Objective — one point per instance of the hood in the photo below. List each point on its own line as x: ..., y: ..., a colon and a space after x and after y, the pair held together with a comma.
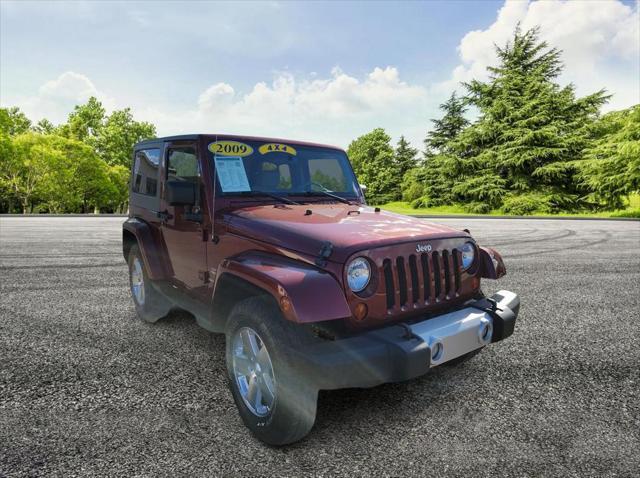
x: 350, y: 228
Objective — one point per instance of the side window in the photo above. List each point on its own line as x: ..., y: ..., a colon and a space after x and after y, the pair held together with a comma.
x: 182, y: 165
x: 145, y: 172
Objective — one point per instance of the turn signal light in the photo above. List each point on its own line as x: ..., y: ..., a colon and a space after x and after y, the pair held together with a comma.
x: 285, y: 304
x: 361, y: 311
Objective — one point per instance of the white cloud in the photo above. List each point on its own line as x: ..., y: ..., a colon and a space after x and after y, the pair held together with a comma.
x: 69, y: 86
x: 600, y: 41
x: 56, y: 98
x: 335, y: 109
x: 216, y: 96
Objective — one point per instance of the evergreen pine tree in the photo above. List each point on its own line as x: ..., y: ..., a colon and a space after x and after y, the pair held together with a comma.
x: 527, y: 135
x: 446, y: 128
x: 611, y: 168
x: 405, y: 159
x: 441, y: 166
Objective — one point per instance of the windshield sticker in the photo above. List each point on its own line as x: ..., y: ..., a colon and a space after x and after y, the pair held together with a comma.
x: 231, y: 174
x: 277, y: 148
x: 230, y: 148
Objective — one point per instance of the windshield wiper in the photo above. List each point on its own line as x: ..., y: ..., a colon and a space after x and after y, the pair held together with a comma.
x: 271, y: 195
x: 328, y: 194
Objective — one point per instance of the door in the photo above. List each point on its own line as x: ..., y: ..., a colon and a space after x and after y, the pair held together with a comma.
x: 182, y: 227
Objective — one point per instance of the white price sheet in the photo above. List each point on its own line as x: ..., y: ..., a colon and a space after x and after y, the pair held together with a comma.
x: 231, y: 174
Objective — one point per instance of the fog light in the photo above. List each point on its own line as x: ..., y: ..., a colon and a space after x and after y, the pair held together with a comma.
x: 360, y: 312
x: 437, y: 350
x: 485, y: 331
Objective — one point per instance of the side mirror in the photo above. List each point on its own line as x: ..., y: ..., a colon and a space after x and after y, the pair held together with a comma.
x: 363, y: 188
x: 180, y: 193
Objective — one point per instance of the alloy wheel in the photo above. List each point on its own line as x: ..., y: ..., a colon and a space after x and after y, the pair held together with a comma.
x: 137, y: 281
x: 253, y: 372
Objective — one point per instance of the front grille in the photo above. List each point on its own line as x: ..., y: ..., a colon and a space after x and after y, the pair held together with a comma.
x: 422, y: 279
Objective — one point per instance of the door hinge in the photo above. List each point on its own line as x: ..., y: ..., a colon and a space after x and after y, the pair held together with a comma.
x: 205, y: 234
x: 323, y: 255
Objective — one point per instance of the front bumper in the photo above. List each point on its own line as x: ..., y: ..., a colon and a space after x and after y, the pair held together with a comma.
x: 404, y: 351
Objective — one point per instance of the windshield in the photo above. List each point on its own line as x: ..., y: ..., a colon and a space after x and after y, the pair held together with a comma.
x: 251, y: 167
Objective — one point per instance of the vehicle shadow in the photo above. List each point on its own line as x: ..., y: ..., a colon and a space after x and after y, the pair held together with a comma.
x: 384, y: 405
x: 372, y: 412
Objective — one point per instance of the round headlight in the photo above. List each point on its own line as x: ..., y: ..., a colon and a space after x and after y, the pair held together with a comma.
x: 358, y: 274
x: 468, y: 254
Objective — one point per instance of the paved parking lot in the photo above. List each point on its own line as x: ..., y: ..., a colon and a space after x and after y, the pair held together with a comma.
x: 87, y: 389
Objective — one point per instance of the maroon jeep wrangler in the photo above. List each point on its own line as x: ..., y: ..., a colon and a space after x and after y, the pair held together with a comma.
x: 271, y: 243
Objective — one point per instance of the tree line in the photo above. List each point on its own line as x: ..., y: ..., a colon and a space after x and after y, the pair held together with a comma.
x: 532, y: 147
x: 80, y: 166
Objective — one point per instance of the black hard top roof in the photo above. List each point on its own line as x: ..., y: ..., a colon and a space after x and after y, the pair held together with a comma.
x: 234, y: 137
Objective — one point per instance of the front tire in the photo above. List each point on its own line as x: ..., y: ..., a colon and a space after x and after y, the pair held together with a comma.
x: 150, y: 304
x: 274, y: 400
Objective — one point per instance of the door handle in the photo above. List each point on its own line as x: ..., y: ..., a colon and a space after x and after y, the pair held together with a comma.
x: 163, y: 215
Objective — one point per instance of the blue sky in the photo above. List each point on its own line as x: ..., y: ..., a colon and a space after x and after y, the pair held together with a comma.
x: 308, y: 70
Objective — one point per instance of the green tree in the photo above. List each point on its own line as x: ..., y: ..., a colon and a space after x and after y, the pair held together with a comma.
x: 81, y: 181
x: 112, y: 136
x: 442, y: 167
x: 528, y: 132
x: 412, y: 185
x: 119, y: 178
x: 8, y: 197
x: 405, y: 158
x: 57, y: 174
x: 118, y: 134
x: 80, y: 166
x: 85, y: 121
x: 440, y: 174
x: 44, y: 126
x: 372, y: 157
x: 447, y: 128
x: 24, y: 170
x: 5, y: 121
x: 612, y: 164
x: 14, y: 121
x: 92, y: 183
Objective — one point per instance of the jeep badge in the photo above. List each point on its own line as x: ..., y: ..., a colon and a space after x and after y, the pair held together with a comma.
x: 423, y: 248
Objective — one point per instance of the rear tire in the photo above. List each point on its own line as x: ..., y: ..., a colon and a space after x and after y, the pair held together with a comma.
x: 284, y: 409
x: 150, y: 304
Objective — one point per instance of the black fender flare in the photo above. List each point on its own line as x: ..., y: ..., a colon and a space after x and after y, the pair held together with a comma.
x: 154, y: 254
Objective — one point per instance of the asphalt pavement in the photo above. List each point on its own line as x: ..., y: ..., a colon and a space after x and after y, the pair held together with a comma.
x: 87, y: 389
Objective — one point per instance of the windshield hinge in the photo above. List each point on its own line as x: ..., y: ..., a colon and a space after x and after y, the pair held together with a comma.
x: 323, y: 255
